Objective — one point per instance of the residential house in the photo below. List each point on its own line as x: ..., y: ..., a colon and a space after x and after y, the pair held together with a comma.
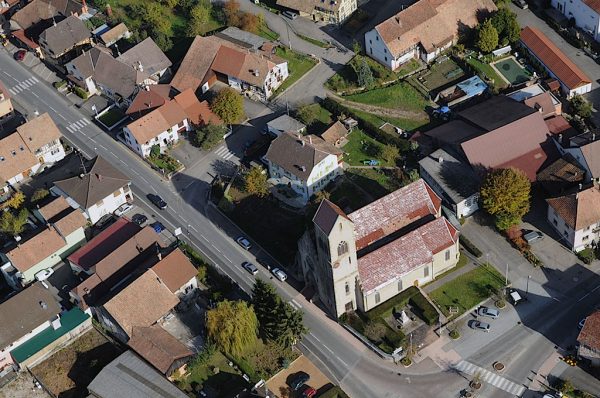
x: 7, y: 6
x: 584, y: 148
x: 146, y: 57
x: 210, y: 59
x: 198, y: 113
x: 584, y: 14
x: 423, y: 30
x: 6, y: 107
x: 303, y: 164
x: 558, y: 65
x: 285, y: 124
x: 336, y: 135
x: 33, y: 326
x: 147, y: 100
x: 160, y: 127
x: 65, y: 40
x: 128, y: 376
x: 362, y: 259
x: 329, y: 11
x: 96, y: 71
x: 497, y: 133
x: 160, y: 349
x: 29, y: 150
x: 453, y: 181
x: 37, y: 11
x: 538, y: 98
x: 576, y: 217
x: 177, y: 272
x: 98, y: 192
x: 50, y: 245
x: 589, y: 339
x: 561, y: 176
x: 110, y: 35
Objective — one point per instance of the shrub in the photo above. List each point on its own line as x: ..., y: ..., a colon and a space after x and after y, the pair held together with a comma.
x: 399, y: 300
x: 470, y: 247
x: 335, y: 392
x: 406, y: 361
x: 59, y: 84
x: 454, y: 334
x: 424, y: 308
x: 586, y: 255
x: 81, y: 93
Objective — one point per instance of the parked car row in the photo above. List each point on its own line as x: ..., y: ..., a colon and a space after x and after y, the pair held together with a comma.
x: 484, y: 312
x: 248, y: 266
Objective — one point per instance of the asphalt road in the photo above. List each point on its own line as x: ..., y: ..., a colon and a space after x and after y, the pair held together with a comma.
x: 342, y: 357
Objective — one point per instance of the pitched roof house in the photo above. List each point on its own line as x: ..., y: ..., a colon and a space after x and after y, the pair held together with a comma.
x: 285, y: 124
x: 572, y: 79
x: 576, y: 217
x: 40, y: 10
x: 585, y: 14
x: 146, y: 57
x: 177, y: 272
x: 423, y: 30
x: 329, y: 11
x: 211, y: 58
x: 159, y: 348
x: 111, y: 35
x: 6, y: 107
x: 63, y: 37
x: 377, y: 251
x: 305, y: 164
x: 589, y: 338
x: 98, y: 192
x: 336, y: 134
x: 562, y: 175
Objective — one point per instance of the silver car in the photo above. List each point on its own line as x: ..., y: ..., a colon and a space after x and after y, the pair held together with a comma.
x: 244, y: 242
x: 250, y: 267
x: 489, y: 312
x: 481, y: 326
x: 279, y: 274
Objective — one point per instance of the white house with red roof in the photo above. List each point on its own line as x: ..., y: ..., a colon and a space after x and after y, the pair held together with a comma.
x: 361, y: 259
x: 585, y: 14
x: 589, y: 339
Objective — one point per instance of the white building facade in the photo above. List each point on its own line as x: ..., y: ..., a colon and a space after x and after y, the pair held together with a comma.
x: 585, y: 16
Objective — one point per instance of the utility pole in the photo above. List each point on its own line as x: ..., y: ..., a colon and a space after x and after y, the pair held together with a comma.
x: 506, y: 276
x: 527, y: 289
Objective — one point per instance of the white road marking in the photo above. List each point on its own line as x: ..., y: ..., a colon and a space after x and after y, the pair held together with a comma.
x: 71, y: 130
x: 297, y: 304
x: 492, y: 378
x: 204, y: 237
x: 194, y: 228
x: 53, y: 110
x: 593, y: 290
x: 227, y: 258
x: 35, y: 94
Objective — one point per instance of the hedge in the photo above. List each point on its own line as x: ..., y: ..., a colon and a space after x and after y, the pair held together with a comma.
x: 335, y: 392
x: 81, y: 93
x: 470, y: 247
x: 399, y: 300
x: 424, y: 309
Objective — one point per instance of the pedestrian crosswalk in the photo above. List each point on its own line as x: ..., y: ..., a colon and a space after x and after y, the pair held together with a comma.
x: 78, y: 125
x: 492, y: 378
x: 224, y: 153
x: 24, y: 85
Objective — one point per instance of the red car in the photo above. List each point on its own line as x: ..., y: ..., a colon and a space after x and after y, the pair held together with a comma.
x: 20, y: 55
x: 309, y: 393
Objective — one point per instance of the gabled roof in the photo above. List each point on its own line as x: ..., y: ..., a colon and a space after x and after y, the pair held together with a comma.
x: 70, y: 222
x: 115, y: 33
x: 128, y: 376
x: 542, y: 103
x: 286, y: 123
x: 37, y: 248
x: 194, y: 69
x: 40, y: 10
x: 142, y: 303
x: 590, y: 333
x: 593, y: 4
x: 334, y: 133
x: 147, y: 54
x: 591, y: 154
x: 399, y: 257
x: 152, y: 97
x: 39, y: 132
x: 63, y: 36
x: 15, y: 157
x: 495, y: 112
x: 562, y: 174
x: 299, y: 154
x: 102, y: 180
x: 175, y: 270
x: 161, y: 119
x: 54, y: 208
x: 393, y: 212
x: 326, y: 216
x: 578, y: 210
x: 198, y: 113
x: 431, y: 23
x: 553, y: 58
x: 25, y: 311
x: 158, y: 347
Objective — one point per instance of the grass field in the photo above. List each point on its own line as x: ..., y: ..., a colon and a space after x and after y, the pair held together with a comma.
x: 405, y: 124
x: 467, y: 290
x: 401, y: 95
x: 298, y: 66
x: 227, y: 382
x: 361, y: 147
x: 378, y: 182
x: 441, y: 74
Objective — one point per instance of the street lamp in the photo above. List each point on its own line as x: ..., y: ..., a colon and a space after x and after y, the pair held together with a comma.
x: 506, y: 276
x: 527, y: 289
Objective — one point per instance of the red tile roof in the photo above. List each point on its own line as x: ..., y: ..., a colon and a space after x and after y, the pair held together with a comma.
x: 590, y: 333
x: 393, y: 212
x: 593, y: 4
x: 158, y: 347
x: 559, y: 125
x: 199, y: 113
x: 175, y: 270
x: 578, y: 210
x: 401, y: 256
x: 553, y: 58
x: 155, y: 96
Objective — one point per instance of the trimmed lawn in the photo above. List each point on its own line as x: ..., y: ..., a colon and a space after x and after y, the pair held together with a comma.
x: 401, y: 95
x: 488, y: 71
x: 405, y: 124
x: 377, y: 182
x: 324, y: 119
x: 265, y: 32
x: 165, y: 162
x: 298, y: 66
x: 316, y: 42
x: 441, y: 74
x: 361, y: 147
x: 467, y: 290
x: 113, y: 116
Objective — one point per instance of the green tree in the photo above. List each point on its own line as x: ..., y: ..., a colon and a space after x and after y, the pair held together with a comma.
x: 16, y: 200
x: 170, y: 3
x: 231, y: 9
x: 209, y: 136
x: 255, y: 182
x: 39, y: 194
x: 507, y: 26
x: 232, y: 326
x: 390, y: 153
x: 13, y: 224
x: 199, y: 18
x: 293, y: 324
x: 487, y: 37
x: 228, y: 104
x: 356, y: 47
x: 307, y: 114
x: 364, y: 74
x: 505, y: 195
x: 581, y: 107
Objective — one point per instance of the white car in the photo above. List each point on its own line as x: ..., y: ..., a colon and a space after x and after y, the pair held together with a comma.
x: 124, y: 208
x: 279, y: 274
x: 44, y: 274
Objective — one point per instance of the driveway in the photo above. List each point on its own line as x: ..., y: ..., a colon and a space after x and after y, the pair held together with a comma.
x: 278, y: 384
x: 187, y: 327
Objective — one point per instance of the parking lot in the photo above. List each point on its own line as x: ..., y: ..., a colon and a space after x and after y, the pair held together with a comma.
x: 279, y: 383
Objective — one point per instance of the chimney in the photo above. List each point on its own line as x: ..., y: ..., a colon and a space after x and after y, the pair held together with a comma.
x: 302, y: 142
x: 593, y: 136
x: 440, y: 159
x: 158, y: 253
x: 302, y: 168
x: 99, y: 177
x: 140, y: 66
x: 81, y: 175
x: 43, y: 305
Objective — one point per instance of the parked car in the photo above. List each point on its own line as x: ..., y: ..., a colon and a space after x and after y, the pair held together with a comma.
x: 124, y: 208
x: 299, y: 380
x: 20, y: 55
x: 157, y: 201
x: 290, y: 14
x: 158, y: 227
x: 139, y: 219
x: 481, y: 326
x: 244, y: 242
x: 514, y: 297
x: 521, y: 4
x: 581, y: 323
x: 309, y: 392
x: 44, y: 274
x: 104, y: 221
x: 532, y: 236
x: 279, y: 274
x: 489, y: 312
x: 250, y: 267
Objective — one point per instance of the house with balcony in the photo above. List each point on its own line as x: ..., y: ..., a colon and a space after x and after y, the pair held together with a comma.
x: 256, y: 73
x: 98, y: 190
x: 302, y: 165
